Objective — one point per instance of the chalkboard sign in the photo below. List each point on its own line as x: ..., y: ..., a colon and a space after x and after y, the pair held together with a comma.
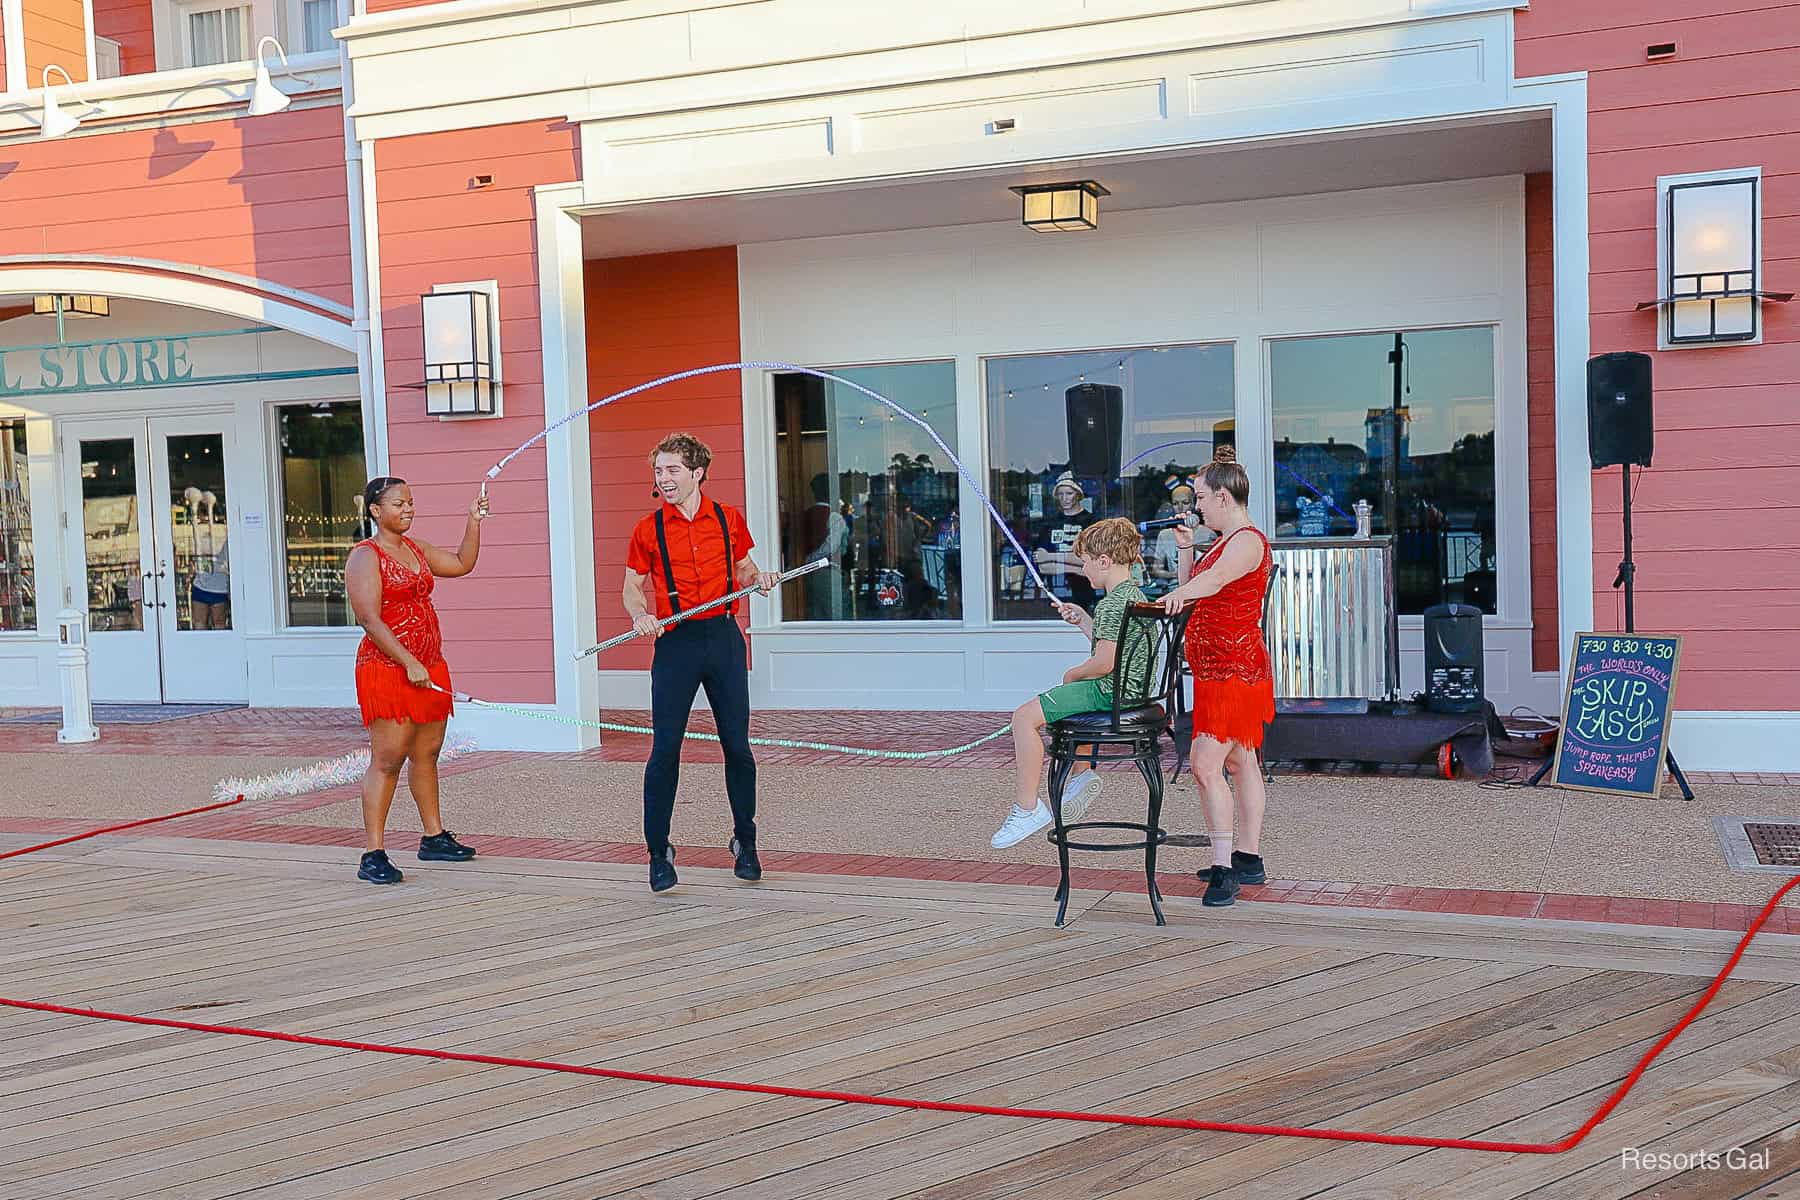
x: 1615, y: 720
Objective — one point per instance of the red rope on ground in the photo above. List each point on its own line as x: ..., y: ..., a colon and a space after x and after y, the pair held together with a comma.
x: 77, y: 837
x: 1047, y: 1114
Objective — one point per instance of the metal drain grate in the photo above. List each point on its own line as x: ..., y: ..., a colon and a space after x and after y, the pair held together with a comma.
x: 1776, y: 845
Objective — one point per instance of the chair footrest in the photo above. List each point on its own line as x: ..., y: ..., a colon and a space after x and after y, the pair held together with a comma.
x: 1153, y: 836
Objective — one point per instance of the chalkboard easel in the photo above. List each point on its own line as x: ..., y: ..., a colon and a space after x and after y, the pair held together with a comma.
x: 1616, y: 712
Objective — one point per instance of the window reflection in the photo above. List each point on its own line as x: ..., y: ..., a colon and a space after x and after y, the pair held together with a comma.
x: 1073, y: 438
x: 1335, y: 425
x: 870, y: 491
x: 109, y: 523
x: 18, y: 579
x: 322, y: 477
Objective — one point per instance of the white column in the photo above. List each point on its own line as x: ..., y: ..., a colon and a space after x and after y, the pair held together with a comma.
x: 1566, y: 97
x: 562, y: 317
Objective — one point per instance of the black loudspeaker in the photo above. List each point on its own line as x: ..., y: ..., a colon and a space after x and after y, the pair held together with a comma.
x: 1096, y: 422
x: 1620, y: 425
x: 1453, y: 675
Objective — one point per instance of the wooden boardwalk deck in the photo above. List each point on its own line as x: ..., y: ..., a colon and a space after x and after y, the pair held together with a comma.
x: 1375, y: 1020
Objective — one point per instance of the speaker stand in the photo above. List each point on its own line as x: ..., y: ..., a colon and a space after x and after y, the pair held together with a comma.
x: 1626, y: 578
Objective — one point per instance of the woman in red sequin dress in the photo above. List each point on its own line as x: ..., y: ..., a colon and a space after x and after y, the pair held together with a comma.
x: 389, y: 578
x: 1234, y: 693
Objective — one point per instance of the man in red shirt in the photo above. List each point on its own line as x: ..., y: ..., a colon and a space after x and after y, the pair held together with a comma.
x: 692, y: 550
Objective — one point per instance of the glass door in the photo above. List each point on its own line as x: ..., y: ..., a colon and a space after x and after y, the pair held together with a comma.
x: 203, y: 656
x: 149, y: 535
x: 107, y: 499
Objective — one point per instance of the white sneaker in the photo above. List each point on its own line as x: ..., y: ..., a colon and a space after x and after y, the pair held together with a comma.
x: 1079, y: 796
x: 1020, y: 824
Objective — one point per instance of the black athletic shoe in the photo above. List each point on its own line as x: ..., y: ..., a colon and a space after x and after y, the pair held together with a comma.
x: 747, y: 868
x: 444, y: 847
x: 377, y: 869
x: 1221, y: 887
x: 1249, y: 867
x: 662, y: 870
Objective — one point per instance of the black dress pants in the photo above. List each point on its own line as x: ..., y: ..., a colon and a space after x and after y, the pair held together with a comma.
x: 698, y: 654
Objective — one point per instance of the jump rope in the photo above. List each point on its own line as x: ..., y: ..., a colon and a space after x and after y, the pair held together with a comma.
x: 900, y: 1102
x: 899, y: 411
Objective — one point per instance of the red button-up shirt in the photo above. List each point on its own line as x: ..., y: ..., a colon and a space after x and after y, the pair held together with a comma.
x: 696, y: 552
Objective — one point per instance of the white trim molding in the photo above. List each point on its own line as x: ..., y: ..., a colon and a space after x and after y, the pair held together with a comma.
x: 1566, y: 98
x: 12, y: 22
x: 1722, y: 740
x: 190, y: 287
x: 562, y: 309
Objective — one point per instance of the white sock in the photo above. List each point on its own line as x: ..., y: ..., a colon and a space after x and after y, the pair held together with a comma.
x: 1221, y: 847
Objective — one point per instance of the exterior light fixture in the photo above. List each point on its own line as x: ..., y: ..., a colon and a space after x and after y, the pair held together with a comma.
x: 1060, y: 207
x: 71, y: 306
x: 461, y: 375
x: 56, y: 122
x: 1710, y: 268
x: 265, y: 97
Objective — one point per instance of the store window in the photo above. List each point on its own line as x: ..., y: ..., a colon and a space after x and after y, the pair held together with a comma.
x: 1073, y: 438
x: 1335, y: 422
x: 871, y: 491
x: 18, y: 587
x: 322, y: 478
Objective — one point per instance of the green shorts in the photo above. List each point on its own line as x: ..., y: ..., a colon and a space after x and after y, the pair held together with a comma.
x: 1084, y: 695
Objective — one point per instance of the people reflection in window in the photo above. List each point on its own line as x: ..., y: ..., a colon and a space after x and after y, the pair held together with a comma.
x: 1053, y: 542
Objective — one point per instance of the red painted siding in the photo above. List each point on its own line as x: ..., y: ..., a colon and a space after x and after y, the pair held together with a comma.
x: 1717, y: 519
x: 55, y: 33
x: 435, y: 229
x: 128, y: 22
x: 376, y: 6
x: 263, y: 197
x: 650, y: 316
x: 1540, y: 390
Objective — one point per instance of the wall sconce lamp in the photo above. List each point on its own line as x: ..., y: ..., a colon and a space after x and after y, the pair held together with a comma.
x: 265, y: 97
x: 462, y: 377
x: 1711, y: 261
x: 56, y: 122
x: 1061, y: 207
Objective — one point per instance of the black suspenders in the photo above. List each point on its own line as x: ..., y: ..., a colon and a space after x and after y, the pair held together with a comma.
x: 662, y: 542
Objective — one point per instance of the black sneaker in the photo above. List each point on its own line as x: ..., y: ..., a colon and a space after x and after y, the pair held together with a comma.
x: 377, y: 869
x: 1249, y: 867
x: 444, y: 847
x: 748, y: 867
x: 1221, y: 887
x: 662, y: 870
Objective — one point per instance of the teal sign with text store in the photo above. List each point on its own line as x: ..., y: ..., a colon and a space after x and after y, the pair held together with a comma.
x: 1615, y: 720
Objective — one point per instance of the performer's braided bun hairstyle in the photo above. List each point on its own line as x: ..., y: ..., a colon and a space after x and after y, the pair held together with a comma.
x: 377, y: 487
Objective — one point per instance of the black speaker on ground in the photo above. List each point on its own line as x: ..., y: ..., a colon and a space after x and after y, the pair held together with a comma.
x: 1621, y: 426
x: 1096, y: 422
x: 1453, y: 674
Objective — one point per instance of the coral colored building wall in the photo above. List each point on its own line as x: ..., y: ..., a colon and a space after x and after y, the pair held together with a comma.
x: 434, y: 229
x: 263, y: 197
x: 55, y: 32
x: 129, y: 23
x: 1540, y: 407
x: 1716, y: 521
x: 647, y: 317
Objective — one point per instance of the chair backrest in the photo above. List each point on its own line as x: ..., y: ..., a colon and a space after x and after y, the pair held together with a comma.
x: 1155, y: 638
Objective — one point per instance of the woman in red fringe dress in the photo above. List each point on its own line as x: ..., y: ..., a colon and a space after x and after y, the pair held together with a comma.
x: 389, y: 578
x: 1234, y: 693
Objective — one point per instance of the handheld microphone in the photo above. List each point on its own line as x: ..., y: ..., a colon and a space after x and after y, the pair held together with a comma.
x: 1191, y: 520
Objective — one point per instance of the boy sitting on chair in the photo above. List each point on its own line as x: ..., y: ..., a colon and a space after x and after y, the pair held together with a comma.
x: 1108, y: 551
